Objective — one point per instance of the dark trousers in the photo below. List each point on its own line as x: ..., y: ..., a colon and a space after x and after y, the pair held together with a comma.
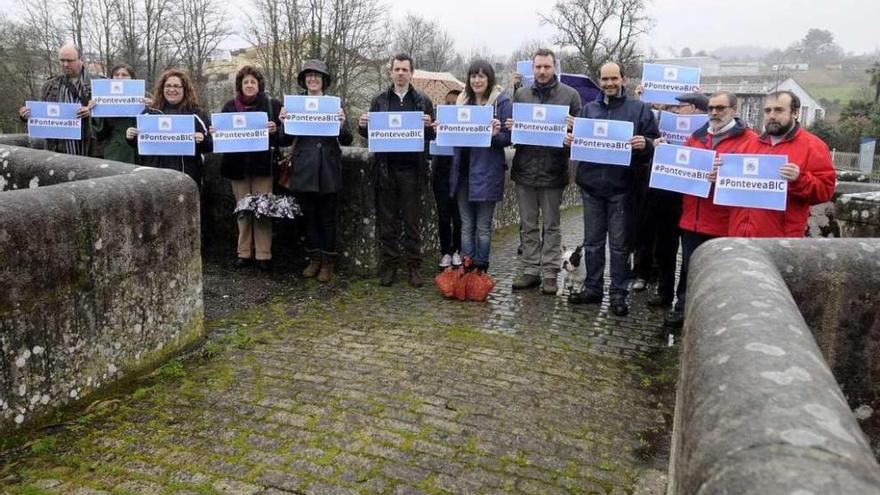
x: 398, y: 212
x: 690, y: 241
x: 658, y: 242
x: 605, y: 218
x: 319, y: 214
x: 448, y: 217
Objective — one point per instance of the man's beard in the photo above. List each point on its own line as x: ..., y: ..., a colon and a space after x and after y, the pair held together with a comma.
x: 777, y: 129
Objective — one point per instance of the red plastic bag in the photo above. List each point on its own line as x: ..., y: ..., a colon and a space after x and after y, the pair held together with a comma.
x: 479, y: 285
x: 447, y: 279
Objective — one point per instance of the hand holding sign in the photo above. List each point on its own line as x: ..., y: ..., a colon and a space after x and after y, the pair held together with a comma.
x: 790, y: 172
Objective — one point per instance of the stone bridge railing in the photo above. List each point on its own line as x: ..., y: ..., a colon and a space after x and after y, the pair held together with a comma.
x: 100, y: 270
x: 774, y: 327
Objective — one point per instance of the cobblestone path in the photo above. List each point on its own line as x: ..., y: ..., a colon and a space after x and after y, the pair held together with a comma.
x: 372, y: 390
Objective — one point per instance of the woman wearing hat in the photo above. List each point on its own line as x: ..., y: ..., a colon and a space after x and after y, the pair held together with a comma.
x: 251, y: 172
x: 316, y: 178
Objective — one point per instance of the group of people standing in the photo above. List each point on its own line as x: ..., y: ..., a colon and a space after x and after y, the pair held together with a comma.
x: 620, y: 211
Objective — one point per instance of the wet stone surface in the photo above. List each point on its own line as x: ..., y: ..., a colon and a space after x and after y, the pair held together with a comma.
x: 356, y: 388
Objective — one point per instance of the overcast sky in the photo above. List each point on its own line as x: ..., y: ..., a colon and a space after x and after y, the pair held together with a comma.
x: 501, y: 26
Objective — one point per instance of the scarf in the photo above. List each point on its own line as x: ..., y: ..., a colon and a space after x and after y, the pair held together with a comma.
x: 246, y: 103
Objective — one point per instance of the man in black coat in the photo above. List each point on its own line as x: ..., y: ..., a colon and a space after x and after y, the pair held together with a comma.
x: 605, y: 190
x: 398, y: 178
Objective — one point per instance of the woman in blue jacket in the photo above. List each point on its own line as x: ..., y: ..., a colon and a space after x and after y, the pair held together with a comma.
x: 477, y: 174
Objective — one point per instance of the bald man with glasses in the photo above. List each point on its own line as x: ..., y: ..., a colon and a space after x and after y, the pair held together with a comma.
x: 73, y: 85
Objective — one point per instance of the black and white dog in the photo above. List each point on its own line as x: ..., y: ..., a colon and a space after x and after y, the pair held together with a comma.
x: 573, y: 269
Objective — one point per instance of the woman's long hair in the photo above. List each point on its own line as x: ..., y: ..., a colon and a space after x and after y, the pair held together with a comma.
x: 476, y: 67
x: 190, y: 98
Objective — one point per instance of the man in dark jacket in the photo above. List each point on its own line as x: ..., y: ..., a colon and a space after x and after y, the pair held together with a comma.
x: 605, y: 190
x: 541, y: 173
x: 73, y: 85
x: 399, y: 178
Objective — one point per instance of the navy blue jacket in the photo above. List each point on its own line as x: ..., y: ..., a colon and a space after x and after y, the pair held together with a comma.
x: 603, y: 180
x: 486, y: 165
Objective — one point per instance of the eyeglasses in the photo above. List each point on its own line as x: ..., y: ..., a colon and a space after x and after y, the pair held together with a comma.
x: 717, y: 108
x: 173, y: 86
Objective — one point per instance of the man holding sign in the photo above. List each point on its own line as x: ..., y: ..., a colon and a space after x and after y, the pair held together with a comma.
x: 701, y: 219
x: 540, y: 174
x: 809, y: 172
x: 73, y: 85
x: 607, y: 190
x: 399, y: 175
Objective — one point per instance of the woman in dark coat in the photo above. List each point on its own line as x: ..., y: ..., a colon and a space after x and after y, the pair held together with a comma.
x: 251, y: 172
x: 175, y: 95
x: 110, y: 132
x: 477, y: 174
x: 317, y: 178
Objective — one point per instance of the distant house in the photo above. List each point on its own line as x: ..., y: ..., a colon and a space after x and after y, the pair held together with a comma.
x: 709, y: 66
x: 751, y: 92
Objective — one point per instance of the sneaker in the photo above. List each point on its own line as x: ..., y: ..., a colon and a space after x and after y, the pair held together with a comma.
x: 445, y: 261
x: 639, y: 284
x: 526, y: 281
x: 658, y: 301
x: 548, y: 286
x: 456, y: 259
x: 584, y: 297
x: 674, y: 319
x: 415, y: 280
x: 619, y: 308
x: 387, y: 276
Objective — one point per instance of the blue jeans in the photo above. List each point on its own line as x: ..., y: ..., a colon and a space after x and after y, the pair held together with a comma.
x: 606, y: 217
x: 476, y: 226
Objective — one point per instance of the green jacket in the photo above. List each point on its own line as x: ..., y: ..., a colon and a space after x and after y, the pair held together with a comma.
x: 109, y: 134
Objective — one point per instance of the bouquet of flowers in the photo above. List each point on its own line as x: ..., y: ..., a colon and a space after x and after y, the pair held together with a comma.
x: 267, y: 205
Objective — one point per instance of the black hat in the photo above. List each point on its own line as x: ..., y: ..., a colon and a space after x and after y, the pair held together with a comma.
x: 313, y: 66
x: 696, y: 99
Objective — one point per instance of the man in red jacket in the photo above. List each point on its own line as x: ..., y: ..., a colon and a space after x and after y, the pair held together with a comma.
x: 809, y: 172
x: 701, y: 219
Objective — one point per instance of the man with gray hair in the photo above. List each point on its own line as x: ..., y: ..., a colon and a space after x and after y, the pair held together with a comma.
x: 701, y: 219
x: 73, y: 85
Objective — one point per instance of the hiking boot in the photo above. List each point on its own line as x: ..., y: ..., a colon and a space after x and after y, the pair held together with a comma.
x: 619, y: 308
x: 414, y: 279
x: 326, y: 272
x: 674, y: 319
x: 584, y: 297
x: 548, y: 286
x: 387, y: 276
x: 311, y: 270
x: 264, y: 265
x: 526, y: 281
x: 658, y: 301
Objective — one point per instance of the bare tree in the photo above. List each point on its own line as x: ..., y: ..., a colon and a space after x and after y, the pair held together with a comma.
x: 275, y: 30
x: 129, y: 46
x: 21, y: 70
x: 102, y: 31
x: 77, y: 12
x: 47, y: 38
x: 439, y: 55
x: 201, y: 29
x: 356, y: 42
x: 600, y: 30
x: 156, y: 23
